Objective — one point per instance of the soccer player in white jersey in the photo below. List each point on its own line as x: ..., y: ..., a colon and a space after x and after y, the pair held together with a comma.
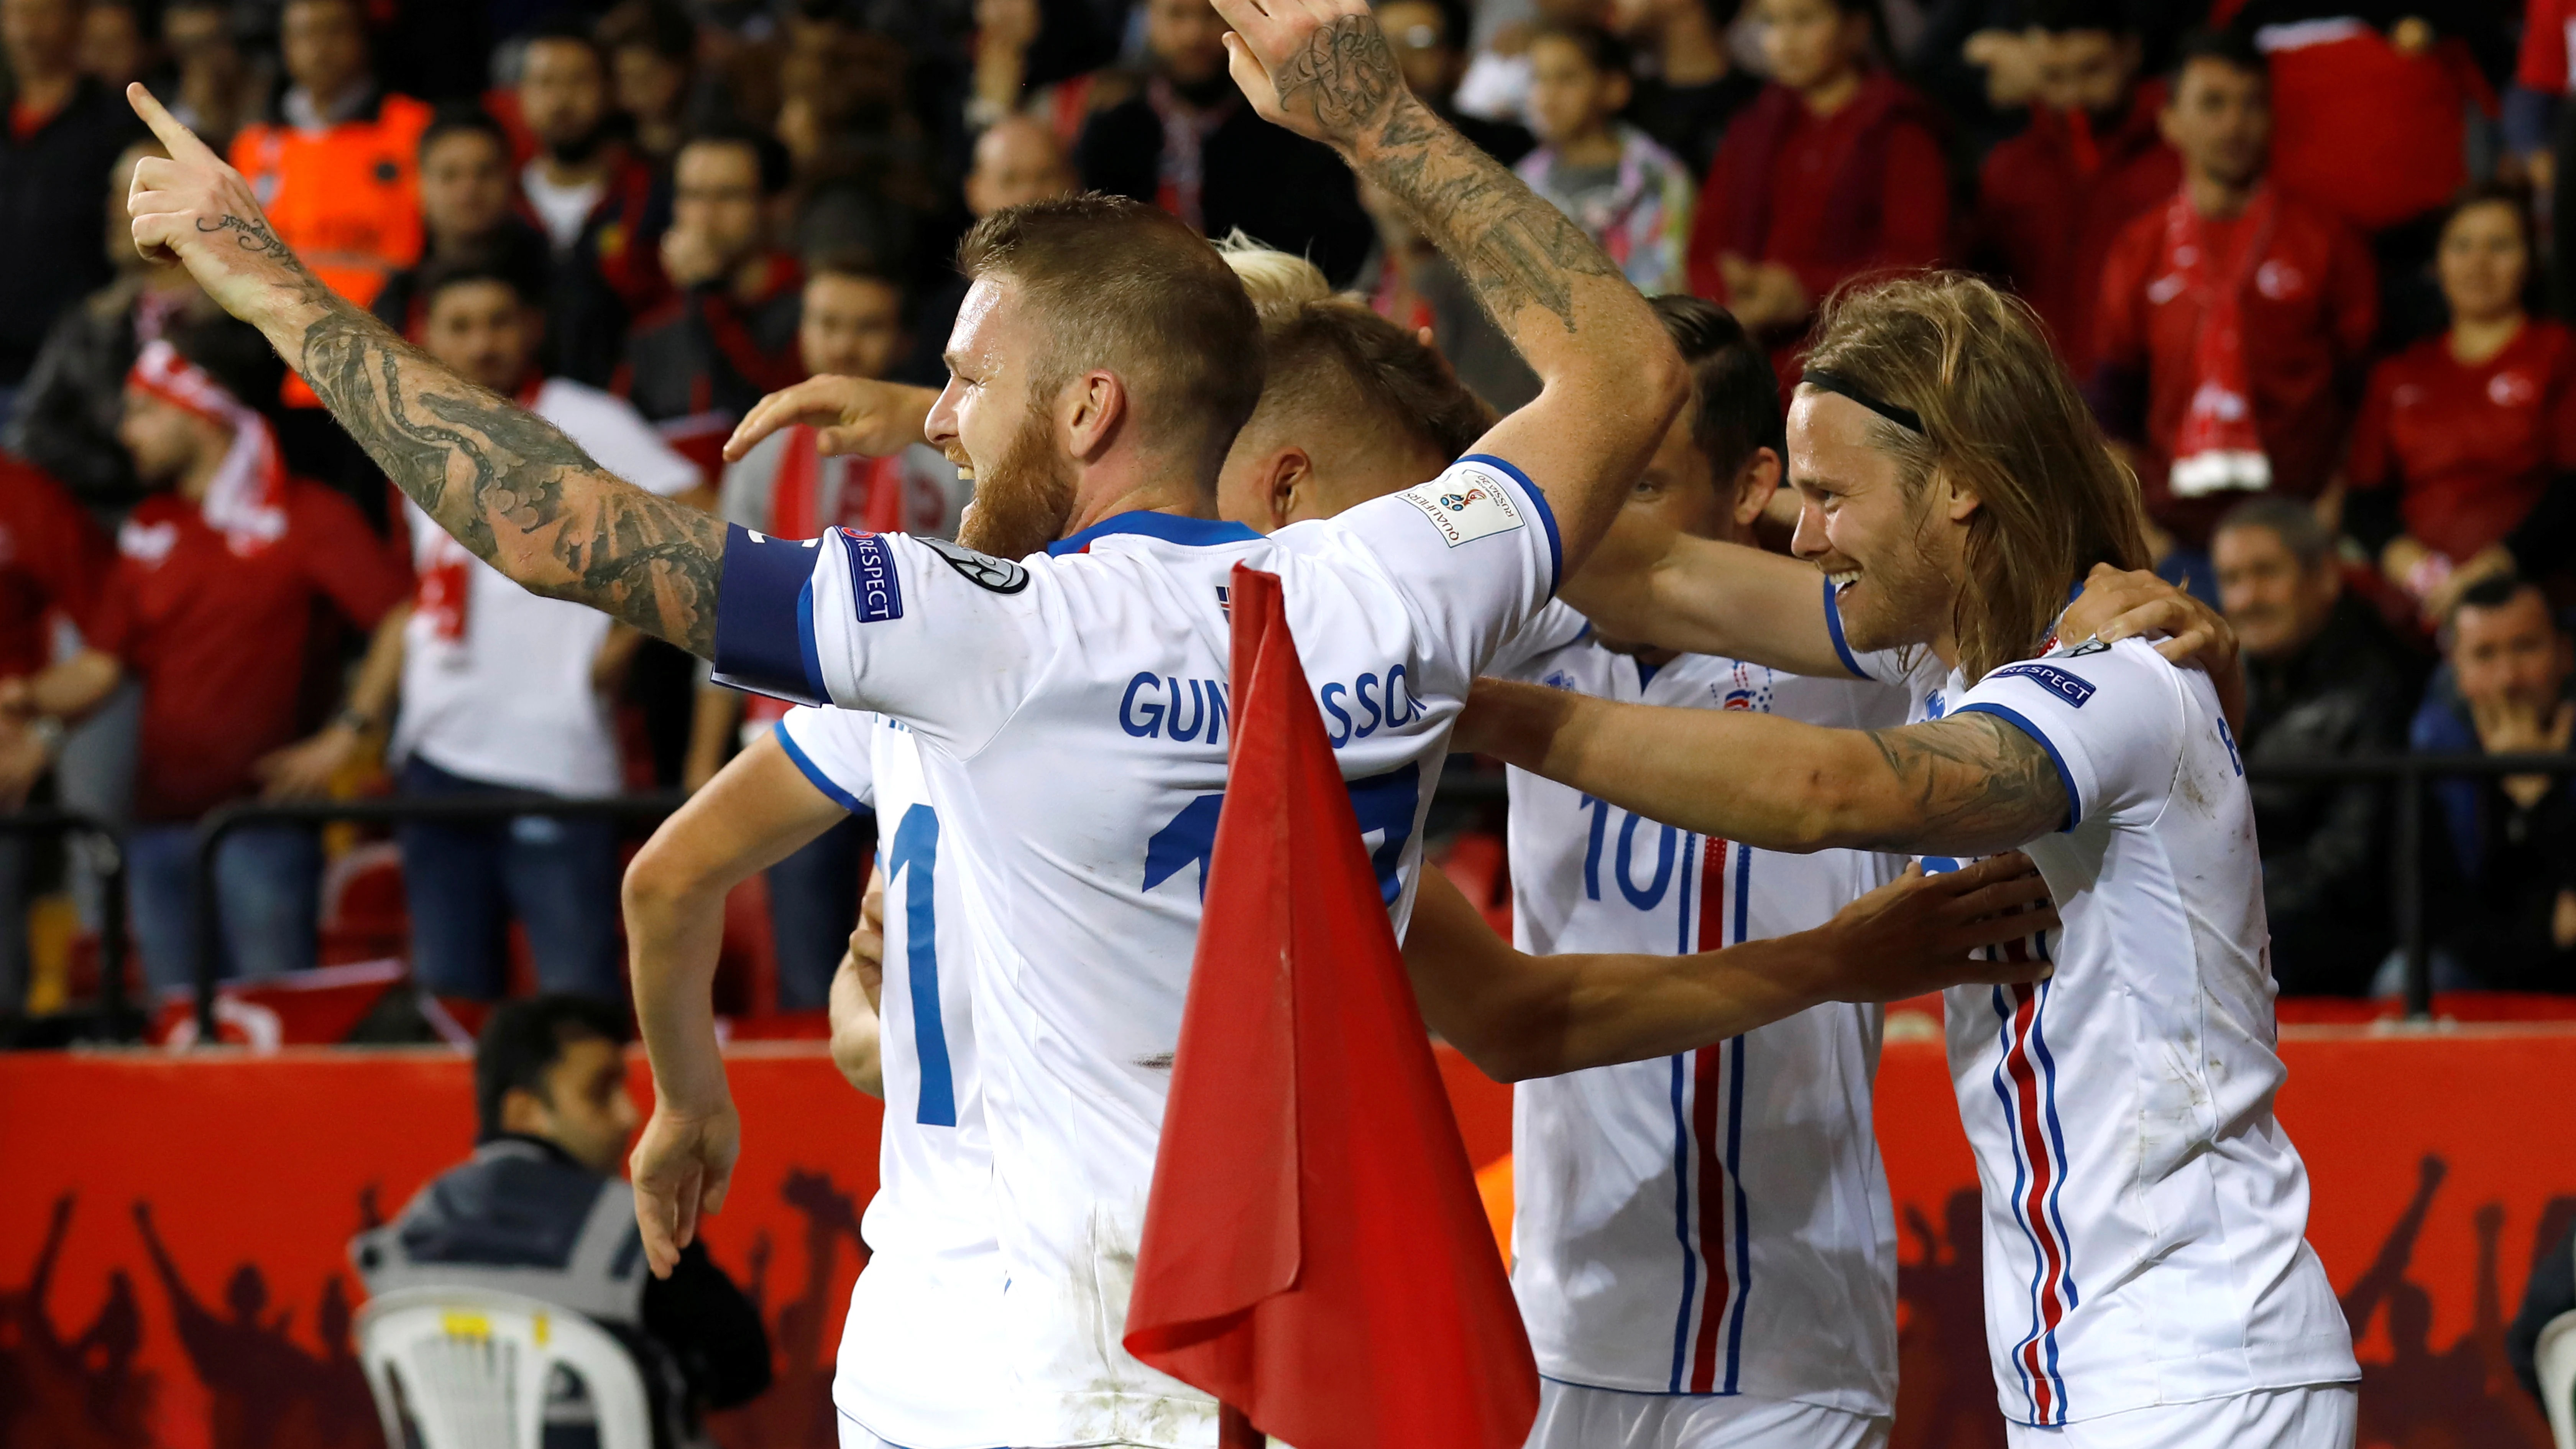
x: 1068, y: 708
x: 2147, y: 1277
x: 920, y: 1362
x: 1703, y: 1244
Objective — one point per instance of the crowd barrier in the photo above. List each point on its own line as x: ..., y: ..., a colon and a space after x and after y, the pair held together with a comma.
x: 174, y: 1270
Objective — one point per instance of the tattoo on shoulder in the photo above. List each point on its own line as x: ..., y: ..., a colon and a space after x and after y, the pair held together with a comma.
x: 1980, y: 783
x: 494, y: 475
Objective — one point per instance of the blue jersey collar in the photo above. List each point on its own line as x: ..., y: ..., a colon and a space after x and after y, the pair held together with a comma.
x: 1169, y: 527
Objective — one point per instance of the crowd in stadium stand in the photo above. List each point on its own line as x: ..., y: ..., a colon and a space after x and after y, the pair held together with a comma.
x: 2305, y: 256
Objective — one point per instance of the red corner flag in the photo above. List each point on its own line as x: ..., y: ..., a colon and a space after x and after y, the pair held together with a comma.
x: 1314, y: 1252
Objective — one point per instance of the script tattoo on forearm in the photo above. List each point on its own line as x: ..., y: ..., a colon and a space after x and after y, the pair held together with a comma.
x: 1979, y: 782
x: 1514, y: 249
x: 515, y: 491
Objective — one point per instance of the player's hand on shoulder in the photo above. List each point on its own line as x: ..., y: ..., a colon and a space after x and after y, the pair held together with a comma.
x: 849, y: 415
x: 681, y: 1167
x: 1921, y: 933
x: 2122, y: 604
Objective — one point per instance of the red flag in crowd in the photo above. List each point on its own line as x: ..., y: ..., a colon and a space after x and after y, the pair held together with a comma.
x: 1314, y: 1252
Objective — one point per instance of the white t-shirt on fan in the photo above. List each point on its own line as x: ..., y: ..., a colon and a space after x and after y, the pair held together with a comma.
x: 496, y: 681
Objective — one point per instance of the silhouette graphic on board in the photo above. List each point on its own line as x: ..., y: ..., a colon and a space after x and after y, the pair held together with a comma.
x: 805, y: 1331
x: 263, y: 1390
x: 78, y: 1393
x: 2421, y: 1397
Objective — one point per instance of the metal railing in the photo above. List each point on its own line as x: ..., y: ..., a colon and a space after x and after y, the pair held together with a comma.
x: 207, y: 916
x: 97, y: 842
x: 2408, y: 774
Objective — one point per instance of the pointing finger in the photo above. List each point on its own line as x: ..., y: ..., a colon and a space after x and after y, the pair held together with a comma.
x: 182, y: 143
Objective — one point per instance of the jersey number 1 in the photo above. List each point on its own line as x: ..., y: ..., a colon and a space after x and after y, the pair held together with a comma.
x: 914, y: 857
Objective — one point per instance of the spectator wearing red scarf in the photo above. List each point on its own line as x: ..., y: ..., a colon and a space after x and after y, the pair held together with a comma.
x: 2231, y: 308
x: 2051, y: 200
x: 213, y: 605
x: 787, y: 487
x: 2462, y: 456
x: 1833, y: 172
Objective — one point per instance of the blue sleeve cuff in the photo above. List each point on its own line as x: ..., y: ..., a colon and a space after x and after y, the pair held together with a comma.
x: 2066, y: 777
x: 765, y: 617
x: 1538, y: 504
x: 830, y: 787
x: 1834, y: 627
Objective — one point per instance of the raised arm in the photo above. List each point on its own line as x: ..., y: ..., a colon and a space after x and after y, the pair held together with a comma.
x: 1655, y: 584
x: 517, y: 493
x: 1518, y: 1016
x: 1611, y: 380
x: 1971, y: 784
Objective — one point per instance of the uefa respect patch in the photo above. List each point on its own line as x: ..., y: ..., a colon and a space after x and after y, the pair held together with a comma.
x: 876, y: 592
x: 2056, y: 681
x: 1465, y: 507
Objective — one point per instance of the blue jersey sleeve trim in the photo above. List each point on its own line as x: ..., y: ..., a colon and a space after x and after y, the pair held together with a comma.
x: 2066, y: 777
x: 765, y: 617
x: 1546, y: 516
x: 830, y: 787
x: 1169, y: 527
x: 1834, y: 626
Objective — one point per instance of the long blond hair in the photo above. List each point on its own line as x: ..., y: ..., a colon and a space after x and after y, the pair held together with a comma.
x: 2003, y: 420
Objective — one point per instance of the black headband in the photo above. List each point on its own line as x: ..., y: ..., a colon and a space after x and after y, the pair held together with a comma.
x: 1823, y: 381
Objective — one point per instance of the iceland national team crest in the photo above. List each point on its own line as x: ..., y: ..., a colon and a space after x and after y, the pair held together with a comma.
x: 1465, y: 507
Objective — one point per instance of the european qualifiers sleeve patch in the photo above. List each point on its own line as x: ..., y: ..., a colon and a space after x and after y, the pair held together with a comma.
x: 1465, y: 507
x: 2056, y: 681
x: 876, y: 591
x: 984, y: 571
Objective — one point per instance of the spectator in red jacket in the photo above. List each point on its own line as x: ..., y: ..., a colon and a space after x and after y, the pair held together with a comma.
x: 1832, y: 172
x: 213, y: 606
x: 52, y: 562
x: 2229, y: 312
x: 598, y: 204
x: 2461, y: 458
x: 2051, y: 200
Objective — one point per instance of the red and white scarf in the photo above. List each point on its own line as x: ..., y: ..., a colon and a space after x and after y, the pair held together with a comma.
x: 2217, y: 448
x: 246, y: 502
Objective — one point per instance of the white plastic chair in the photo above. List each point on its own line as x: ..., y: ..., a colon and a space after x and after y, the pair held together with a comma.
x: 2555, y: 1358
x: 470, y: 1368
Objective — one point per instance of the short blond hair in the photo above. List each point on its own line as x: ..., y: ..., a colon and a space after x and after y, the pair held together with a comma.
x: 1275, y: 280
x: 2003, y: 419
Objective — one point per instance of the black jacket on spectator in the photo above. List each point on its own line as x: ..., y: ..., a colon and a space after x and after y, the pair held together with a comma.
x: 2325, y: 859
x: 2551, y: 1292
x: 520, y: 1216
x: 1282, y: 189
x: 67, y: 411
x: 53, y: 217
x: 710, y: 353
x: 2494, y: 868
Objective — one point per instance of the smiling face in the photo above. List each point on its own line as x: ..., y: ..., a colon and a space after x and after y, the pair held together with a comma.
x: 1892, y: 553
x: 991, y: 422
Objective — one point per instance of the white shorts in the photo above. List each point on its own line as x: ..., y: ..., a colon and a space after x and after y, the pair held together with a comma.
x: 2319, y: 1416
x: 1577, y: 1416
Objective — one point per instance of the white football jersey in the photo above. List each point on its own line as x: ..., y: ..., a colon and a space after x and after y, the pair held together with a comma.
x: 920, y: 1361
x: 2146, y: 1216
x: 1072, y: 715
x: 1715, y: 1222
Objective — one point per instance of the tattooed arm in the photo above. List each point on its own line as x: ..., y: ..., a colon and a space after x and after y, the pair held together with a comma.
x: 516, y: 492
x: 1612, y: 380
x: 1971, y: 784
